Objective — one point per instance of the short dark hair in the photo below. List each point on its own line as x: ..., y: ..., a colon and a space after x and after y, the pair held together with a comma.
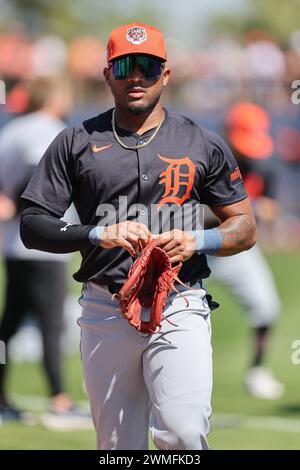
x: 40, y: 88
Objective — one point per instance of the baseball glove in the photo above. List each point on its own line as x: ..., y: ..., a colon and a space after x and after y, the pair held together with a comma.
x: 149, y: 282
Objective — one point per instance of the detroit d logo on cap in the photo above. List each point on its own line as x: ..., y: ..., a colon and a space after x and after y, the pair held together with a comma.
x: 136, y: 35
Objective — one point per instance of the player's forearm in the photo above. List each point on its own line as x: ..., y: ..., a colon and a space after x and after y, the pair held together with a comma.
x: 235, y: 234
x: 42, y: 231
x: 238, y: 234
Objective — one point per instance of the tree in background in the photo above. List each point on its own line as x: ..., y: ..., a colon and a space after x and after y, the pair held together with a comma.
x: 69, y: 18
x: 277, y: 18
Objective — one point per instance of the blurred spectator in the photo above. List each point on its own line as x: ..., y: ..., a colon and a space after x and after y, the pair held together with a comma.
x: 230, y: 61
x: 17, y: 99
x: 35, y: 281
x: 48, y: 55
x: 265, y: 58
x: 247, y: 274
x: 84, y: 57
x: 286, y: 230
x: 15, y: 56
x: 292, y: 56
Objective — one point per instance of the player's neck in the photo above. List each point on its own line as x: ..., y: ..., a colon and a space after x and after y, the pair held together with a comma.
x: 139, y: 123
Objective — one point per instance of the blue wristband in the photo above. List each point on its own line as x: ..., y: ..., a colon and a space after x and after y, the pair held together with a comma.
x: 95, y: 235
x: 208, y: 241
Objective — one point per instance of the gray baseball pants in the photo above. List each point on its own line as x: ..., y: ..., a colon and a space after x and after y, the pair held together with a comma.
x: 251, y: 281
x: 136, y: 381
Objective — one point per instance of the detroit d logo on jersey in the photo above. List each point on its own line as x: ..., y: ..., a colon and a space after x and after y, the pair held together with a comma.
x: 136, y: 35
x: 178, y: 179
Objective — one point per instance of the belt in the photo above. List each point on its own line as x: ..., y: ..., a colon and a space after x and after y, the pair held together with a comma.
x: 176, y: 284
x: 101, y: 286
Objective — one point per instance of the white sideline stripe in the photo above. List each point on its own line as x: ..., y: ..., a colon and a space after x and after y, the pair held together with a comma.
x: 273, y: 423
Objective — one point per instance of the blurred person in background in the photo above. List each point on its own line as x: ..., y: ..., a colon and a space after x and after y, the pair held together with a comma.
x: 35, y: 280
x: 247, y: 274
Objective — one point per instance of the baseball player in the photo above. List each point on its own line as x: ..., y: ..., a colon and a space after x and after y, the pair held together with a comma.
x: 35, y: 281
x: 139, y: 151
x: 247, y: 274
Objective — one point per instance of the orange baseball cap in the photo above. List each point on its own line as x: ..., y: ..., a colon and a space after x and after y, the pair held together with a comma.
x: 136, y: 38
x: 248, y: 126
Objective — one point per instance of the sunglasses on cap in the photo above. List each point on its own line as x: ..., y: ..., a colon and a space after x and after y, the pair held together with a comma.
x: 124, y: 66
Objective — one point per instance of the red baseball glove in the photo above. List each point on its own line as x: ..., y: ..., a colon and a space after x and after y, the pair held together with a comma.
x: 149, y: 282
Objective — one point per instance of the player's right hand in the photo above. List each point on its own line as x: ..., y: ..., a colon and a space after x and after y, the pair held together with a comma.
x: 128, y: 234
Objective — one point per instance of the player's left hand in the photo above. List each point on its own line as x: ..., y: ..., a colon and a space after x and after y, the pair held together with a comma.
x: 178, y: 245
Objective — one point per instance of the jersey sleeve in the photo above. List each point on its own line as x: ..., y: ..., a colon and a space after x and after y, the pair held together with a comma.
x: 223, y: 183
x: 51, y: 185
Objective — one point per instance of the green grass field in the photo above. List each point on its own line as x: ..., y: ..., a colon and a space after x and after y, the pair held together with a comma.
x: 238, y: 422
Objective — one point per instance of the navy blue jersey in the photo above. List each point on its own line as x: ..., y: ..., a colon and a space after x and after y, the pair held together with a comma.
x: 185, y: 165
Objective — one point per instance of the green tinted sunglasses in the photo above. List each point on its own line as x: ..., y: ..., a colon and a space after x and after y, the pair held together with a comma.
x: 124, y: 66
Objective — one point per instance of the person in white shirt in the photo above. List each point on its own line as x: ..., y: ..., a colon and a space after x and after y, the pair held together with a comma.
x: 35, y: 280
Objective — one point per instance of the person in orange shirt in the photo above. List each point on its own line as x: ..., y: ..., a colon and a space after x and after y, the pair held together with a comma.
x: 247, y: 274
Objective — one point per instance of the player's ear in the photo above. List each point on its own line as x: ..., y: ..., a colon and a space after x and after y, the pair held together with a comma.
x: 106, y: 75
x: 166, y: 76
